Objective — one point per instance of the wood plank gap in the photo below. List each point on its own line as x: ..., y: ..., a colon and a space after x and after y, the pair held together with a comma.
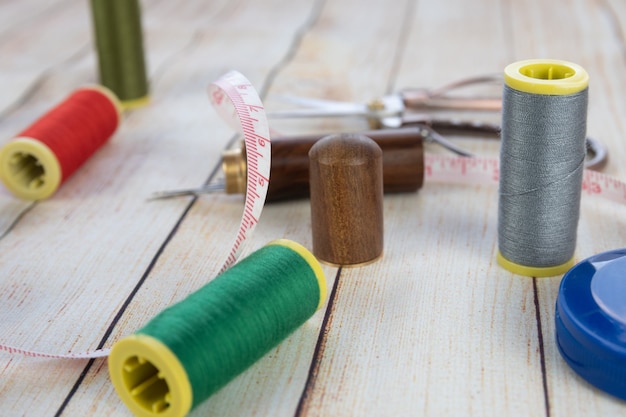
x: 401, y: 44
x: 40, y: 80
x: 17, y: 218
x: 125, y: 305
x: 274, y: 71
x: 312, y: 19
x: 33, y: 16
x: 542, y: 355
x: 618, y: 30
x: 507, y: 29
x: 320, y: 346
x: 194, y: 40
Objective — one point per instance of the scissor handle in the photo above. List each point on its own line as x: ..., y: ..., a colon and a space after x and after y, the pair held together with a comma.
x: 597, y: 155
x: 436, y: 98
x: 451, y: 126
x: 415, y: 100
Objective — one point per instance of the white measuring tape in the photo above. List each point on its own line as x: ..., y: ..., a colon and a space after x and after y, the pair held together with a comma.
x: 238, y: 103
x: 486, y: 171
x: 244, y: 112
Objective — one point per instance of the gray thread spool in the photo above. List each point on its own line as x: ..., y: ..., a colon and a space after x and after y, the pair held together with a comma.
x: 541, y: 165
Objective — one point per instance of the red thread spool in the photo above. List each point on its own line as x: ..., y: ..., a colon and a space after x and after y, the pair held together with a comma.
x: 40, y: 158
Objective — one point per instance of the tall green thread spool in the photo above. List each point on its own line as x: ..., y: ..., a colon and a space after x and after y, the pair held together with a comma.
x: 119, y: 42
x: 193, y: 348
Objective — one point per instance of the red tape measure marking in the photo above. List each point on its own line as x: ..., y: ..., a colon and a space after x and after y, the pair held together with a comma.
x: 486, y: 171
x: 244, y: 112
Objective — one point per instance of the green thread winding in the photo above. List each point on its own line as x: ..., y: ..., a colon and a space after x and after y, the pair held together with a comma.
x: 226, y: 326
x: 119, y: 41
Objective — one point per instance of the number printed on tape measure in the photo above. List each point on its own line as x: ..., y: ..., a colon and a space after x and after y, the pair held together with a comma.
x: 486, y: 171
x: 461, y: 170
x: 244, y: 111
x: 596, y: 183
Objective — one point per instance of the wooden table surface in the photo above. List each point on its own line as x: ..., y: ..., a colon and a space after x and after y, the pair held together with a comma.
x: 434, y: 328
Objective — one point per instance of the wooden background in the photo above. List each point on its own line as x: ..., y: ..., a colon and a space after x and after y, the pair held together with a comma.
x: 435, y: 328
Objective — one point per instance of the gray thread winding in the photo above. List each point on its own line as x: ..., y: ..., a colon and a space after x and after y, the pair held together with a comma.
x: 542, y: 159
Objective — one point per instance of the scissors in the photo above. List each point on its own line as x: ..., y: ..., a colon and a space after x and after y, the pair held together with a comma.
x: 412, y: 106
x: 399, y: 109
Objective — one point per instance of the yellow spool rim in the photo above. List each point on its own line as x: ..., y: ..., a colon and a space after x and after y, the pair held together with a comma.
x: 546, y: 76
x: 29, y: 169
x: 139, y: 359
x: 534, y: 271
x: 313, y: 263
x: 135, y: 103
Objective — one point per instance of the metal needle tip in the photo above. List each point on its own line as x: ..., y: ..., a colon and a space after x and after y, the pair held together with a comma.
x: 205, y: 189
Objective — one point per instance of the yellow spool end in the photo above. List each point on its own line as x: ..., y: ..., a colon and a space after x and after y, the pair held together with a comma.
x: 149, y: 378
x: 135, y: 103
x: 546, y: 76
x: 313, y: 263
x: 108, y: 93
x: 29, y: 169
x: 534, y: 271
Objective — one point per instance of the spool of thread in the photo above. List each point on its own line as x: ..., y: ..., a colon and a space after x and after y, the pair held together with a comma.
x: 193, y: 348
x: 346, y: 179
x: 119, y: 43
x: 40, y: 158
x: 541, y: 165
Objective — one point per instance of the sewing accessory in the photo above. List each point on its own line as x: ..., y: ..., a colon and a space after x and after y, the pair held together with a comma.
x: 403, y: 165
x: 193, y: 348
x: 411, y: 108
x: 399, y: 109
x: 237, y: 101
x: 590, y: 321
x: 39, y: 159
x: 542, y: 158
x: 346, y: 199
x: 119, y: 43
x: 403, y: 156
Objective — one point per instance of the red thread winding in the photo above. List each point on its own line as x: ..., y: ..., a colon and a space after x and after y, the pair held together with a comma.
x: 76, y: 128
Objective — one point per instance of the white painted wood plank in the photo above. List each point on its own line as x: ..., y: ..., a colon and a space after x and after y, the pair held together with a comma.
x: 434, y: 328
x: 595, y: 43
x: 75, y: 258
x: 176, y: 105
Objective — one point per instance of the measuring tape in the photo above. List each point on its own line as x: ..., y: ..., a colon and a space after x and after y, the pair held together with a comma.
x: 486, y: 171
x: 244, y: 112
x: 237, y: 102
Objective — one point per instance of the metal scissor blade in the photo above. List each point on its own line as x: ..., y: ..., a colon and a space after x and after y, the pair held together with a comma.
x: 390, y: 105
x: 314, y: 107
x: 314, y: 112
x: 319, y: 103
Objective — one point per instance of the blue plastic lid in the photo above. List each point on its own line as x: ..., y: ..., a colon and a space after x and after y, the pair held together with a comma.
x: 591, y: 320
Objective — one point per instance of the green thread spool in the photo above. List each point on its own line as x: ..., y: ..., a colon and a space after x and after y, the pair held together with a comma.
x: 193, y: 348
x: 119, y: 42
